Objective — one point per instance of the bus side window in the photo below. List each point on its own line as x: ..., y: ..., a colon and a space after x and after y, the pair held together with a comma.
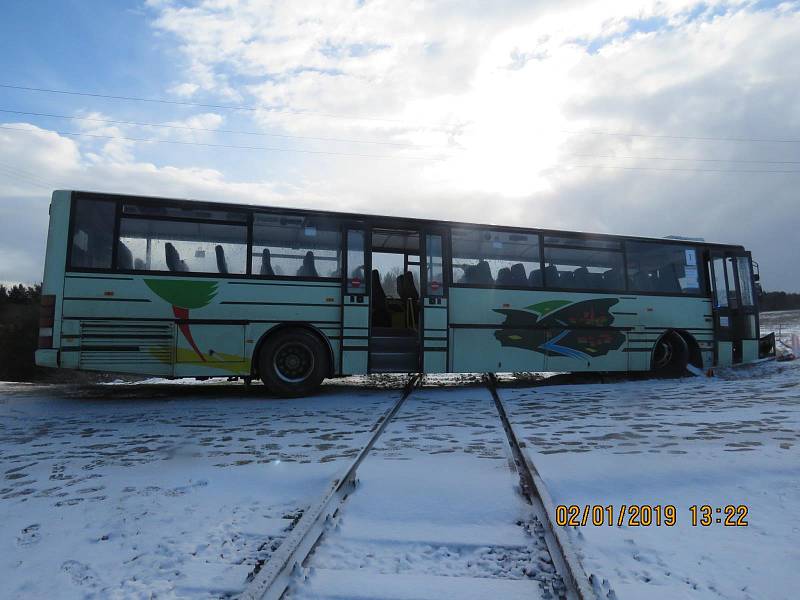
x: 183, y: 246
x: 295, y: 246
x: 92, y: 234
x: 666, y: 268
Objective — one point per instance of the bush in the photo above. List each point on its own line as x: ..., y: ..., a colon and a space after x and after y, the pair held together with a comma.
x: 19, y: 332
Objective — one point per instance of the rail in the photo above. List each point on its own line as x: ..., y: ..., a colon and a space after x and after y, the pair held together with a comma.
x: 271, y: 581
x: 565, y: 558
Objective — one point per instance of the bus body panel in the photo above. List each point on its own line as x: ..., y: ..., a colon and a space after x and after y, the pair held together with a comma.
x: 214, y: 324
x: 53, y: 280
x: 520, y: 330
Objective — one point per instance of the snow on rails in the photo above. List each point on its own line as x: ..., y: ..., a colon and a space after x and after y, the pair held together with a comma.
x: 323, y: 555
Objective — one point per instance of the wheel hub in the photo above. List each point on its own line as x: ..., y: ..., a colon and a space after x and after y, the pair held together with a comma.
x: 293, y: 362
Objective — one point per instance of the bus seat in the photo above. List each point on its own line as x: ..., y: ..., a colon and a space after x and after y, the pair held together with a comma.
x: 535, y: 278
x: 504, y: 276
x: 580, y: 278
x: 483, y: 273
x: 380, y: 310
x: 124, y: 257
x: 469, y: 275
x: 641, y: 282
x: 139, y: 265
x: 266, y: 263
x: 612, y: 280
x: 551, y: 275
x: 668, y: 279
x: 410, y: 286
x: 174, y: 262
x: 399, y: 288
x: 308, y: 269
x: 222, y: 264
x: 594, y: 281
x: 518, y: 276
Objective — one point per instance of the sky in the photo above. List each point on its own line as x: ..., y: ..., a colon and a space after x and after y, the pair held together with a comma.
x: 648, y: 118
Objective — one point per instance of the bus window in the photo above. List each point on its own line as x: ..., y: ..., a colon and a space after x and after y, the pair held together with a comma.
x: 745, y: 280
x: 583, y: 268
x: 182, y: 246
x: 435, y: 270
x: 92, y: 234
x: 654, y: 267
x: 502, y: 258
x: 732, y: 300
x: 356, y: 271
x: 720, y: 287
x: 295, y: 246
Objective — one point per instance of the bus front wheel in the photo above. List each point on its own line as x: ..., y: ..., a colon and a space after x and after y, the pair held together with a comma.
x: 671, y: 355
x: 293, y: 363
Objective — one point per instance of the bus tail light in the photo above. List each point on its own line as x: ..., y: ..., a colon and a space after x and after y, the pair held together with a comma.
x: 47, y: 313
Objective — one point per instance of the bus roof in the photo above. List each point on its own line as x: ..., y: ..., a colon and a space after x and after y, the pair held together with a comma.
x: 389, y: 220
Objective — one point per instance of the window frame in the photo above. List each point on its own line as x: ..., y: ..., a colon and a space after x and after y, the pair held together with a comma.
x: 489, y: 286
x: 70, y: 236
x: 340, y: 228
x: 247, y: 223
x: 703, y: 263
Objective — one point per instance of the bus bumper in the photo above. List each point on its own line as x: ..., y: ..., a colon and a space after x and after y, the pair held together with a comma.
x: 47, y: 358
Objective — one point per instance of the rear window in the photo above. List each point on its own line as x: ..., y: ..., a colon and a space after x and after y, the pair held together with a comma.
x: 92, y: 234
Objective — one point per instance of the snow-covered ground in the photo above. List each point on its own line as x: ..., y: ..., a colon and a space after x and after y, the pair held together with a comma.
x: 436, y: 513
x: 169, y: 490
x: 149, y: 491
x: 733, y: 439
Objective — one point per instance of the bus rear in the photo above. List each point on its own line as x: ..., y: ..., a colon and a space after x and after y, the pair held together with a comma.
x: 47, y: 354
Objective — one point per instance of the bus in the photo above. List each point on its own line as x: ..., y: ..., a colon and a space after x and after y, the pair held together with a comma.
x: 179, y: 288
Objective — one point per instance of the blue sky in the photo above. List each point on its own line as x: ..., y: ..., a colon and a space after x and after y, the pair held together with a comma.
x: 511, y: 112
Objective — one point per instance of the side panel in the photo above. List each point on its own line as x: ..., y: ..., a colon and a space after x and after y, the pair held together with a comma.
x: 57, y: 239
x: 434, y: 340
x: 519, y: 330
x: 214, y: 324
x: 355, y: 338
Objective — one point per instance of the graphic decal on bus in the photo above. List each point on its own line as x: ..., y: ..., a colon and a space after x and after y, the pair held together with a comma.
x: 184, y: 296
x: 577, y: 329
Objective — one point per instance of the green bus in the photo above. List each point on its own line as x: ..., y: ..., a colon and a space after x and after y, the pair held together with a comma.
x: 177, y: 288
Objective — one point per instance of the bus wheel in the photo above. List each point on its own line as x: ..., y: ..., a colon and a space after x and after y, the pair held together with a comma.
x: 671, y: 355
x: 293, y: 363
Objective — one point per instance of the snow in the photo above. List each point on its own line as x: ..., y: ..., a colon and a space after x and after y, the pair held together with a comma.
x: 733, y: 439
x: 177, y: 489
x: 141, y: 497
x: 436, y: 513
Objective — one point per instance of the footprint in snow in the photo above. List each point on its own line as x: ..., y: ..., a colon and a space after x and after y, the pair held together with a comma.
x: 80, y: 573
x: 29, y: 535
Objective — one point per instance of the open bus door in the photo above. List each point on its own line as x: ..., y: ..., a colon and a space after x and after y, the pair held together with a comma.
x: 734, y: 307
x: 434, y: 303
x: 355, y: 303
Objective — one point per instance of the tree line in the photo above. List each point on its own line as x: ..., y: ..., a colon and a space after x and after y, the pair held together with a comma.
x: 779, y: 301
x: 19, y: 332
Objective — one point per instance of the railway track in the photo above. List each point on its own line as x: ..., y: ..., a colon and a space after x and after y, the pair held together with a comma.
x: 551, y: 568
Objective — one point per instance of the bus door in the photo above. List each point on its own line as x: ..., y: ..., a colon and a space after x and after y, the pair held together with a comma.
x: 434, y: 303
x: 733, y: 307
x: 354, y: 343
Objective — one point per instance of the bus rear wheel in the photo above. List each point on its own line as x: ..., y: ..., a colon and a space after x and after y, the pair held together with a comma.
x: 293, y: 363
x: 671, y: 355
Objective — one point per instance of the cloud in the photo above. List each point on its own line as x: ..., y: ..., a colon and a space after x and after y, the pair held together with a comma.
x: 509, y: 109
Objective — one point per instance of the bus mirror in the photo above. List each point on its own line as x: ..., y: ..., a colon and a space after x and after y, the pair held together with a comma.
x: 756, y: 277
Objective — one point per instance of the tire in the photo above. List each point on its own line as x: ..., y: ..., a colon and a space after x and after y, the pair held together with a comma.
x: 670, y: 355
x: 293, y: 363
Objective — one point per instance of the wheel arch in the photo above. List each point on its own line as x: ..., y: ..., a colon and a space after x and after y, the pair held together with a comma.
x: 695, y: 355
x: 292, y: 325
